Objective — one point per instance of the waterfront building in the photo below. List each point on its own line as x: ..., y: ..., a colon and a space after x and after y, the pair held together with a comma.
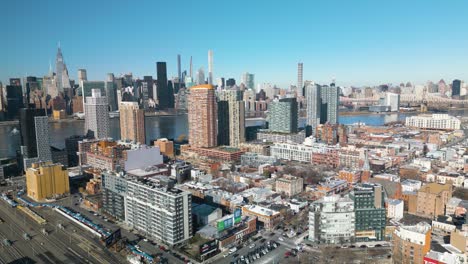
x: 283, y: 116
x: 235, y: 116
x: 97, y: 115
x: 165, y: 93
x: 332, y: 220
x: 313, y: 102
x: 434, y: 121
x: 46, y: 180
x: 132, y: 122
x: 202, y: 114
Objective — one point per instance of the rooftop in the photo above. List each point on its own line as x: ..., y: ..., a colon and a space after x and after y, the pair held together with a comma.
x: 260, y: 210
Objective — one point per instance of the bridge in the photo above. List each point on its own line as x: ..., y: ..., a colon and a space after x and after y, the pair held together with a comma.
x: 409, y: 99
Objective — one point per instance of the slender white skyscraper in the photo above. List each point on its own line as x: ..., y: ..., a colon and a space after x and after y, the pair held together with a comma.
x: 97, y: 115
x: 300, y: 83
x: 210, y: 67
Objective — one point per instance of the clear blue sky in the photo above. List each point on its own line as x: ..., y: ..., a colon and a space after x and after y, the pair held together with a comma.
x: 357, y: 42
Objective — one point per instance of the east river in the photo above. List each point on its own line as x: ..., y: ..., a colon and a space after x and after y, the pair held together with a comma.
x: 164, y: 126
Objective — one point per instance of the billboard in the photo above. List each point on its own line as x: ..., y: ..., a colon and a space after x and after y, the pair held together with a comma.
x: 208, y: 247
x: 225, y: 223
x: 237, y: 215
x: 112, y: 238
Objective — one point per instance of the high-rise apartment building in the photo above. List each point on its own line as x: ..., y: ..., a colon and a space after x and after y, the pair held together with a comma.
x: 236, y: 116
x: 210, y: 67
x: 157, y: 211
x: 97, y: 115
x: 202, y: 114
x: 28, y: 131
x: 300, y: 83
x: 332, y: 220
x: 88, y: 86
x: 370, y: 214
x: 165, y: 93
x: 223, y: 123
x: 132, y: 122
x: 411, y: 243
x: 283, y: 116
x: 330, y: 102
x: 314, y: 103
x: 43, y: 138
x: 46, y: 180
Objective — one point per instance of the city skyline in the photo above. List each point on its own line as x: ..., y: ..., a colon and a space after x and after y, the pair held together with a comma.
x: 365, y: 44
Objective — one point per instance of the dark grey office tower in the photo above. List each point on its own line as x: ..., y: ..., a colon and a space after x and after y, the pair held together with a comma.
x: 71, y: 146
x: 456, y: 87
x: 165, y: 96
x: 111, y: 93
x: 28, y: 131
x: 149, y: 81
x: 230, y: 82
x: 223, y: 123
x: 179, y: 70
x: 14, y: 100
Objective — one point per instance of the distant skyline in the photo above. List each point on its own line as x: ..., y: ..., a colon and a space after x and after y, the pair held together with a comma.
x: 358, y: 43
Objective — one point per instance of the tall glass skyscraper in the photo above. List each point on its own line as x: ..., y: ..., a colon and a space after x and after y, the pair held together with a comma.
x: 165, y: 93
x: 314, y: 103
x: 330, y: 97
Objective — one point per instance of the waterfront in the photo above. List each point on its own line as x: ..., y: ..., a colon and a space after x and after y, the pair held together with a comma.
x: 166, y: 126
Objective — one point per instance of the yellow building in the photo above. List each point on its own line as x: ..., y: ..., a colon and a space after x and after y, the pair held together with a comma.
x: 46, y: 180
x: 59, y: 114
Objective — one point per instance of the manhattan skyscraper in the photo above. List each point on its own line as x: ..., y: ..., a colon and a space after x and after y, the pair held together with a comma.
x: 314, y: 102
x: 300, y: 82
x: 165, y: 95
x: 210, y: 67
x: 59, y: 68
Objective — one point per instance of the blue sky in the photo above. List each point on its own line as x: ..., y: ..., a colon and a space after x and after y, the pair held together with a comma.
x: 357, y: 42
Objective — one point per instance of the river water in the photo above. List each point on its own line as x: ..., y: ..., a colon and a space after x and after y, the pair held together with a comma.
x: 164, y: 126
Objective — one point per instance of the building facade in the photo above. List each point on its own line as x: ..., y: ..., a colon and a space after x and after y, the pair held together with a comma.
x: 157, y: 211
x: 283, y: 116
x: 313, y: 101
x: 202, y: 114
x: 411, y: 243
x: 370, y: 212
x: 97, y: 115
x: 132, y: 122
x: 332, y: 220
x: 46, y: 180
x: 434, y: 121
x: 289, y: 185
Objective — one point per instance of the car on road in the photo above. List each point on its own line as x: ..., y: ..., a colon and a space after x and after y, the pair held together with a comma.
x: 252, y: 246
x: 280, y: 238
x: 262, y: 240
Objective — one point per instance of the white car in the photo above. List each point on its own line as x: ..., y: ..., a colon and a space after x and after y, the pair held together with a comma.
x: 280, y: 238
x: 252, y: 246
